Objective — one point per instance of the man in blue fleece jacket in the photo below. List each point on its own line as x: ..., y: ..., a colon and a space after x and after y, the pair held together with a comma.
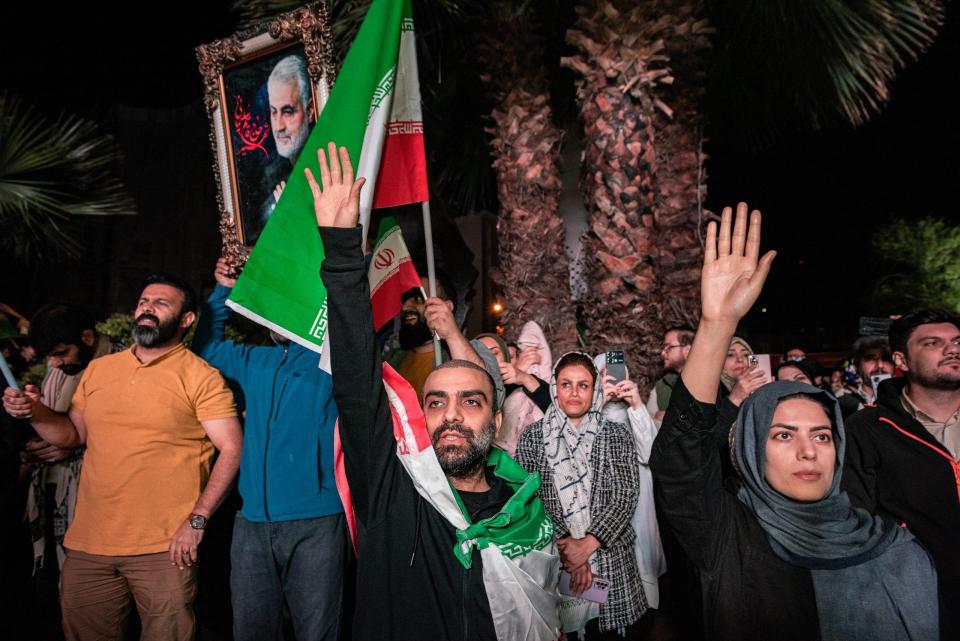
x: 289, y: 539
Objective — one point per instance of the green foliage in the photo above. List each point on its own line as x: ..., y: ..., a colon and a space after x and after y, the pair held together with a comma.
x: 34, y: 375
x: 51, y: 171
x: 926, y: 255
x: 788, y: 65
x: 117, y: 327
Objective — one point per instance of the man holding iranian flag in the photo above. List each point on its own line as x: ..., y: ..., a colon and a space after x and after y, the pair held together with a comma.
x: 452, y: 541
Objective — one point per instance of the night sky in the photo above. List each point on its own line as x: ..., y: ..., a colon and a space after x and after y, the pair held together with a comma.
x: 822, y: 193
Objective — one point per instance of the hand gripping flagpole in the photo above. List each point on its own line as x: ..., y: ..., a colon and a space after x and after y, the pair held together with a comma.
x: 431, y: 274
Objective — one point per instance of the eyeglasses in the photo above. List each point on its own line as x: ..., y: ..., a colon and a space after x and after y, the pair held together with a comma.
x: 667, y: 348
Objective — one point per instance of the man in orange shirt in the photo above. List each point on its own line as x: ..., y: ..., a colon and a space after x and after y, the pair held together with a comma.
x: 150, y: 417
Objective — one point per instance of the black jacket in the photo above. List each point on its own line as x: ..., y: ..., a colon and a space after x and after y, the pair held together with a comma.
x: 748, y: 592
x: 409, y: 583
x: 894, y: 467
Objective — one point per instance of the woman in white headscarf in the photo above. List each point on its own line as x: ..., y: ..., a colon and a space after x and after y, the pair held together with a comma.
x: 523, y: 406
x: 590, y: 484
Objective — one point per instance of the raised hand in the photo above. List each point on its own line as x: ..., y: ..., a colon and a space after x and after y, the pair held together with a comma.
x: 732, y: 277
x: 223, y: 273
x: 337, y: 204
x: 733, y: 272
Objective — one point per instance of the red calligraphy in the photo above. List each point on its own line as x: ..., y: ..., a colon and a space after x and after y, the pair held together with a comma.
x: 252, y: 130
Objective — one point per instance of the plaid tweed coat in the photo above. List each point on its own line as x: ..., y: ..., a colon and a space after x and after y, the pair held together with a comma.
x: 613, y: 498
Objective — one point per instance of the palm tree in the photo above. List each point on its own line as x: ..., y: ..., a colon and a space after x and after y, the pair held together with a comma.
x: 779, y: 65
x: 50, y: 172
x: 534, y: 268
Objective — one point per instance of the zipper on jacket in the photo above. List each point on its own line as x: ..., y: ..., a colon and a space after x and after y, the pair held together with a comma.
x: 953, y: 464
x: 270, y: 416
x: 463, y: 603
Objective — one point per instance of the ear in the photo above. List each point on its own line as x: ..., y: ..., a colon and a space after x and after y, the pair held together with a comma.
x: 498, y: 419
x: 88, y: 337
x: 900, y: 360
x: 686, y: 350
x: 187, y: 320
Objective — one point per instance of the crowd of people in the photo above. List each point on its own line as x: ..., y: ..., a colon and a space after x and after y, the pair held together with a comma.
x: 502, y: 494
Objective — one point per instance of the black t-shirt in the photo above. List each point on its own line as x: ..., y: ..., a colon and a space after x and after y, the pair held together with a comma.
x: 481, y: 505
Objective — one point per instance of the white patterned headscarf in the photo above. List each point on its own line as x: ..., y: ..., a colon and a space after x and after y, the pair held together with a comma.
x: 567, y: 450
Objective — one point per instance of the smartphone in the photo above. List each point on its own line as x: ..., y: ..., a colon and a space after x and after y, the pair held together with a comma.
x: 598, y: 591
x: 876, y: 379
x: 616, y: 366
x: 762, y: 362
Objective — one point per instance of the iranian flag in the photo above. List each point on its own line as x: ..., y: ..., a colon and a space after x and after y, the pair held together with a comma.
x: 519, y: 556
x: 391, y: 272
x: 373, y: 111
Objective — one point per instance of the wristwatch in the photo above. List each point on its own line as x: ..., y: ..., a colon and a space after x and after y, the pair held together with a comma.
x: 198, y: 521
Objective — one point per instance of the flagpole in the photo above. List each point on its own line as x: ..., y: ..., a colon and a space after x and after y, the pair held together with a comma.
x: 431, y: 274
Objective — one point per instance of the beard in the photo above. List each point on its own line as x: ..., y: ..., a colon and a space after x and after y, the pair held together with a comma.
x: 85, y: 354
x: 152, y: 336
x: 413, y: 336
x: 462, y: 461
x: 290, y: 148
x: 942, y: 382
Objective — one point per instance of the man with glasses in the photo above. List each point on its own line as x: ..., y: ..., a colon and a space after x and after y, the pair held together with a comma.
x: 676, y: 346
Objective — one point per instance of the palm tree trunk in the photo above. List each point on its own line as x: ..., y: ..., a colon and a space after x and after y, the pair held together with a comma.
x: 534, y: 271
x: 681, y: 179
x: 618, y: 68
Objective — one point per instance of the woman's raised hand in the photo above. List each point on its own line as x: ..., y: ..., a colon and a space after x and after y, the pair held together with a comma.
x: 733, y: 272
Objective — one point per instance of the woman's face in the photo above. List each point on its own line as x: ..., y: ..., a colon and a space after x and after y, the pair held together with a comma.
x: 574, y: 391
x: 801, y: 456
x: 790, y: 373
x: 736, y: 363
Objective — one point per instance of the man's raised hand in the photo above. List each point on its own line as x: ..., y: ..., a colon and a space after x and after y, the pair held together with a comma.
x: 337, y: 204
x: 733, y: 272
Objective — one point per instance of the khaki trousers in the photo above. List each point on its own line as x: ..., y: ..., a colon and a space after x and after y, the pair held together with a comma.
x: 95, y: 594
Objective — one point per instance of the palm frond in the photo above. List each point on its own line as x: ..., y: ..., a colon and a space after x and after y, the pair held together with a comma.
x: 784, y: 65
x: 51, y: 171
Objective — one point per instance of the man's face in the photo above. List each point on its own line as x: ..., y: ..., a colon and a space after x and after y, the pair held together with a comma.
x: 876, y: 360
x: 287, y: 118
x: 158, y: 319
x: 933, y: 356
x: 411, y: 310
x: 674, y: 354
x: 461, y: 421
x: 796, y: 354
x: 71, y: 358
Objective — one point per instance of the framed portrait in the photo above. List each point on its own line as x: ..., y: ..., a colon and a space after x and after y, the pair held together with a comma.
x: 263, y: 89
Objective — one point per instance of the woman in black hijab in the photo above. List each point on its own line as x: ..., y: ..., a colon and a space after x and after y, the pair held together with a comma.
x: 780, y: 551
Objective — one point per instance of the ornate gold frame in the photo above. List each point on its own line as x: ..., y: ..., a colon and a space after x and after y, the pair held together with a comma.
x: 308, y: 25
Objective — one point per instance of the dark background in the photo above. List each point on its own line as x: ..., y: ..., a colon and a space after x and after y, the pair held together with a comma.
x: 822, y: 193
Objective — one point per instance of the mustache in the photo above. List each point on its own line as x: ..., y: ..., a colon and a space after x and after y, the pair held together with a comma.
x: 452, y: 427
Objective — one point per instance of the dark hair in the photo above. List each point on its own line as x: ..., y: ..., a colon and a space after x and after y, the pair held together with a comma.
x: 902, y: 329
x: 58, y: 323
x: 684, y: 334
x: 457, y: 362
x: 189, y: 298
x: 865, y: 343
x: 573, y: 359
x: 804, y: 366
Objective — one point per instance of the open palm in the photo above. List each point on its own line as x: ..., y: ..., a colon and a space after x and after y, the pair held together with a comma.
x: 733, y: 272
x: 337, y: 204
